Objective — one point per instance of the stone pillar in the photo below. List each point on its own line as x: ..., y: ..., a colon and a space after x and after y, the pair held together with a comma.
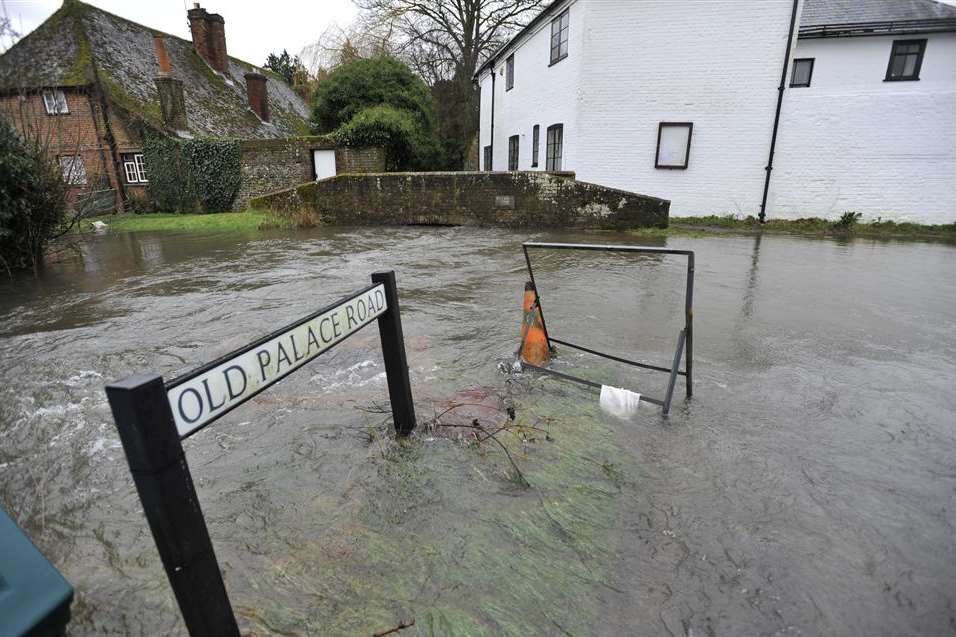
x: 258, y: 95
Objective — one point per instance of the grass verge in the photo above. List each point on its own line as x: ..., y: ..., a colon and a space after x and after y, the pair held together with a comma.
x: 848, y: 226
x: 218, y: 222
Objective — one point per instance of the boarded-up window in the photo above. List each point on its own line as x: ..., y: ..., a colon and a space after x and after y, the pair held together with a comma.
x: 673, y: 144
x: 487, y: 157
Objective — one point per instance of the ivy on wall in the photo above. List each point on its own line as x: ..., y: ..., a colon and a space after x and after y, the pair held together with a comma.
x: 184, y: 176
x: 169, y: 186
x: 216, y: 172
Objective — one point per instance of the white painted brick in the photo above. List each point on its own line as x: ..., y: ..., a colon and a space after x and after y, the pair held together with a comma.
x: 852, y: 142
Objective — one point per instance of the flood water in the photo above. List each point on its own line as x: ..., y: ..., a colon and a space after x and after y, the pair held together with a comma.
x: 808, y: 488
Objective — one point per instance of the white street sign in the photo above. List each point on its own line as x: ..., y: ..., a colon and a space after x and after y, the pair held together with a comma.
x: 203, y: 397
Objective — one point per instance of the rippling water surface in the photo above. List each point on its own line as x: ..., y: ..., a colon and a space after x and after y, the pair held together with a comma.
x: 808, y: 488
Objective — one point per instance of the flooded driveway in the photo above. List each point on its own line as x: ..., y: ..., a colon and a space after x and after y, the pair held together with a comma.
x: 809, y: 487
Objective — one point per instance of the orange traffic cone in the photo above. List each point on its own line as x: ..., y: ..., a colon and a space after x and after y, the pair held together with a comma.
x: 534, y: 343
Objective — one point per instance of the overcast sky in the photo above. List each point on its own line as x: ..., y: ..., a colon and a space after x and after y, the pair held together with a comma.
x: 253, y: 28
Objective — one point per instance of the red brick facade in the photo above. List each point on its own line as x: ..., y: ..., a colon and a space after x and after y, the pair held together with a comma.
x: 85, y: 131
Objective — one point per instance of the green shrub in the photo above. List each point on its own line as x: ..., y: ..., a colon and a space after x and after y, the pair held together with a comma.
x: 380, y: 102
x: 848, y: 220
x: 33, y: 203
x: 363, y: 83
x: 407, y: 147
x: 196, y: 174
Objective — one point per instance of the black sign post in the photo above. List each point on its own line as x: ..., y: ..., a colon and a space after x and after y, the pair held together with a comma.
x: 158, y: 464
x: 152, y: 437
x: 393, y: 353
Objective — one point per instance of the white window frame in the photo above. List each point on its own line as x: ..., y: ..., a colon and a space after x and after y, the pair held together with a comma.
x: 135, y: 168
x: 73, y: 169
x: 54, y: 101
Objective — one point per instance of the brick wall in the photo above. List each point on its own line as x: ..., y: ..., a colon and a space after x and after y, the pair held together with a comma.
x: 81, y: 132
x: 520, y: 199
x: 269, y: 165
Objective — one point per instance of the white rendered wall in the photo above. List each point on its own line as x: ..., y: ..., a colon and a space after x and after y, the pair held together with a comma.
x: 543, y: 94
x: 852, y: 142
x: 716, y: 64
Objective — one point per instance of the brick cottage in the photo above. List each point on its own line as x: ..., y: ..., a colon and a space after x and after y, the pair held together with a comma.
x: 89, y: 85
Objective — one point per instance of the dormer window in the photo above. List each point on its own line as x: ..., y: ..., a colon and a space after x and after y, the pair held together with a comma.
x: 54, y: 101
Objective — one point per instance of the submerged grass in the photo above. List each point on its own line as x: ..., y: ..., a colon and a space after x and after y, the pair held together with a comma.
x: 448, y: 538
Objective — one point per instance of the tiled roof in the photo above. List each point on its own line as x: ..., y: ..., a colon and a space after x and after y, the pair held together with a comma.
x: 818, y: 14
x: 822, y: 12
x: 64, y: 50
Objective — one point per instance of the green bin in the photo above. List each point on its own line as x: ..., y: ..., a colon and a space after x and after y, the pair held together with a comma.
x: 34, y: 597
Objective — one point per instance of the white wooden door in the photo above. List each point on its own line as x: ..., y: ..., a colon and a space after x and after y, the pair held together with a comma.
x: 324, y: 163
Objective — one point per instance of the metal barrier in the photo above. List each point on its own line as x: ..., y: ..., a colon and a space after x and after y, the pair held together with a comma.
x: 154, y: 418
x: 685, y: 338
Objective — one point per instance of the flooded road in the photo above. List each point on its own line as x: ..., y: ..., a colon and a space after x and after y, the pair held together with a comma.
x: 808, y: 488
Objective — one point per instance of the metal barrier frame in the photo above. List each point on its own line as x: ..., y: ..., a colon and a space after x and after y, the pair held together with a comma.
x: 685, y: 338
x: 154, y: 451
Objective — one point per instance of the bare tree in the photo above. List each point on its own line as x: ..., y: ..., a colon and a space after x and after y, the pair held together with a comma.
x: 454, y: 36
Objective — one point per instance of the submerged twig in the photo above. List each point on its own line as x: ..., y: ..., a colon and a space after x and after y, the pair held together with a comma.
x: 401, y: 626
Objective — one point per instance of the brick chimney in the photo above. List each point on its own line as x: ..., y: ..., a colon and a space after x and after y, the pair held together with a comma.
x: 258, y: 94
x: 171, y: 98
x: 209, y: 37
x: 162, y: 56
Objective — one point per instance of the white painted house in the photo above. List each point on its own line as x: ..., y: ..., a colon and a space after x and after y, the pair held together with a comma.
x: 683, y: 100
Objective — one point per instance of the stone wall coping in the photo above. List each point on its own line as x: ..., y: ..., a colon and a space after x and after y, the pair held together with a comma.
x: 564, y: 174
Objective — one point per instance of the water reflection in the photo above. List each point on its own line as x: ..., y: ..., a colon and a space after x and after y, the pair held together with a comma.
x: 750, y: 294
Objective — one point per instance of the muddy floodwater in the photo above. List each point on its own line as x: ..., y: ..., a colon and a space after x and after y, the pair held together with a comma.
x: 809, y: 487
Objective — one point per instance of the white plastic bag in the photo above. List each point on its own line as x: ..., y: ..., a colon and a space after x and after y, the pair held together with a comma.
x: 619, y: 402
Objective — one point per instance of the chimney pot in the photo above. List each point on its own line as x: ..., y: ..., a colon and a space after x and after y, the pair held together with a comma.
x: 258, y: 94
